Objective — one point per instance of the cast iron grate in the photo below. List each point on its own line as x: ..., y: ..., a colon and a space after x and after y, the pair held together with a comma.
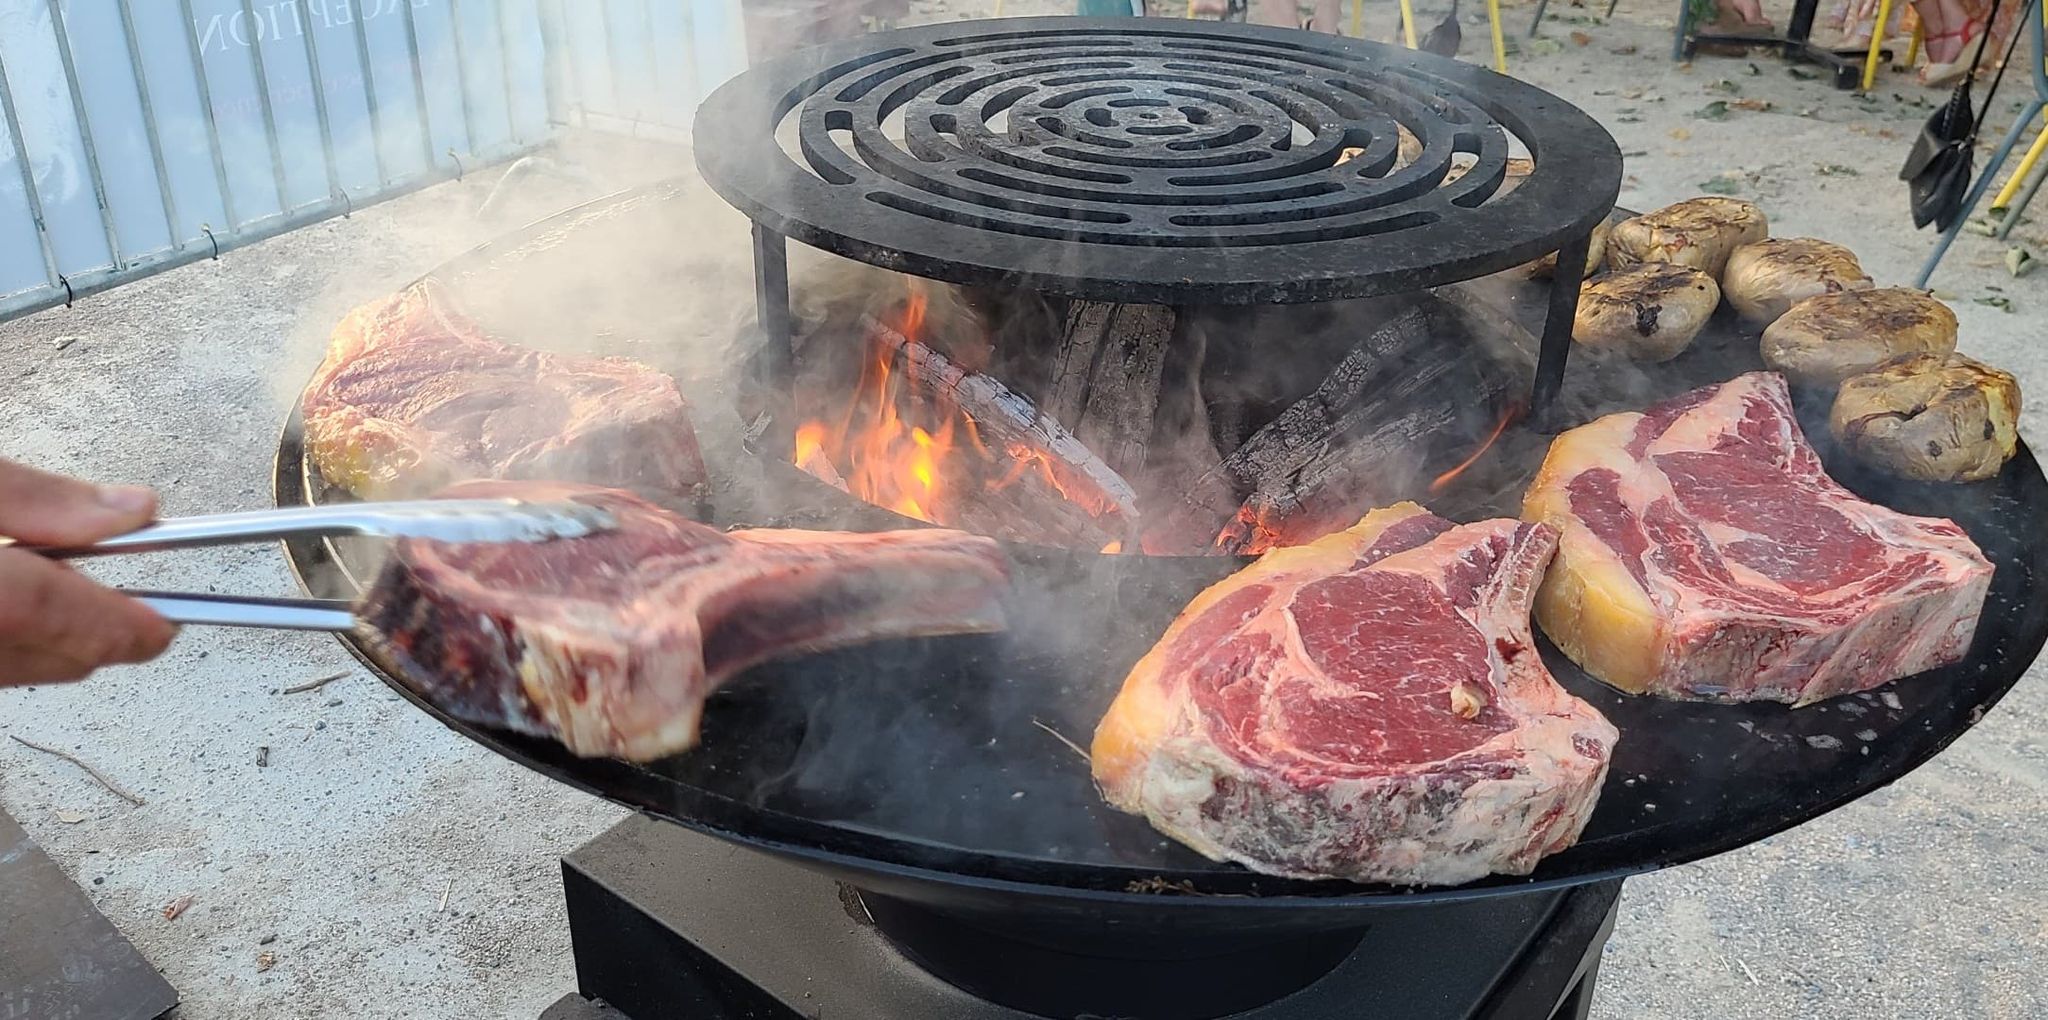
x: 1182, y: 163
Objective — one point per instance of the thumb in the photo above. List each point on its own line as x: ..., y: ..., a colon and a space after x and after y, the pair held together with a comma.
x: 45, y: 509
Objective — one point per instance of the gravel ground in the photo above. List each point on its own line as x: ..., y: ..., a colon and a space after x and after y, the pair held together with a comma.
x: 395, y: 870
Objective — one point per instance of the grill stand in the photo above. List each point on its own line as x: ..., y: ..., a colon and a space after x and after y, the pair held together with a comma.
x: 667, y: 923
x: 1154, y: 169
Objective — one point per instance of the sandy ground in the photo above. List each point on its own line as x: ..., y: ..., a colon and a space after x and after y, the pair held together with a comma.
x: 395, y: 870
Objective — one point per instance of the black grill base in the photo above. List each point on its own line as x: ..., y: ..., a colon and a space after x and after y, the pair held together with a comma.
x: 668, y: 924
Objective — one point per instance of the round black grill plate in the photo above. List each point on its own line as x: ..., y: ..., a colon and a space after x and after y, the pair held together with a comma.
x: 1155, y: 162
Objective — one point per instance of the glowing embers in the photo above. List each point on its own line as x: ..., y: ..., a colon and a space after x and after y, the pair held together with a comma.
x: 917, y: 434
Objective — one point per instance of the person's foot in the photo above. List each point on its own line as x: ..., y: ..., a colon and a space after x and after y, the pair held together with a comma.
x: 1750, y: 11
x: 1734, y: 25
x: 1950, y: 53
x: 1741, y: 17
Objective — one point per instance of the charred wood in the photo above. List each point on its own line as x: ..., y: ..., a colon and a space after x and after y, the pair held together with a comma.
x: 1414, y: 396
x: 1011, y: 428
x: 1105, y: 381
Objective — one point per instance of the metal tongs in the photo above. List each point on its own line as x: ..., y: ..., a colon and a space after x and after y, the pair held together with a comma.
x: 440, y: 520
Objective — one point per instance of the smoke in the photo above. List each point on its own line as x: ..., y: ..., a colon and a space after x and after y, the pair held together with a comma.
x: 947, y: 741
x: 960, y: 742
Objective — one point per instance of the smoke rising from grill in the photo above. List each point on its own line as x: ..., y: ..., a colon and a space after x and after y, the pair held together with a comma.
x: 666, y: 276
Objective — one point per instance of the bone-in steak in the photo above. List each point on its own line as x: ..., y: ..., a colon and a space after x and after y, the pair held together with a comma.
x: 413, y: 396
x: 611, y: 643
x: 1705, y: 554
x: 1368, y: 706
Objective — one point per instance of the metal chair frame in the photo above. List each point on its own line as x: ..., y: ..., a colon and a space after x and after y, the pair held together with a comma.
x: 2030, y: 22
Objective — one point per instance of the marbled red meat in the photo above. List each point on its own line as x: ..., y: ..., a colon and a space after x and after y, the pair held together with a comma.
x: 611, y: 643
x: 1367, y: 706
x: 1704, y: 553
x: 413, y: 396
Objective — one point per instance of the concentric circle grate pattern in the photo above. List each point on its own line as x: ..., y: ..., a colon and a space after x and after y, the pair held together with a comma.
x: 1122, y: 161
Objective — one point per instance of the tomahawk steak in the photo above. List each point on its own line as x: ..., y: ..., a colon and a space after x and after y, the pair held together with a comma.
x: 1368, y: 706
x: 413, y: 396
x: 1706, y: 555
x: 610, y: 643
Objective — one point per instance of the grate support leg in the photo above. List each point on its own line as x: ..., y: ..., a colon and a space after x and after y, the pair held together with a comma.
x: 1557, y: 327
x: 777, y: 361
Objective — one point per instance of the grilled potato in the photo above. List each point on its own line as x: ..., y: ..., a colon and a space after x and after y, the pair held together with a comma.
x: 1930, y: 417
x: 1698, y: 232
x: 1596, y: 254
x: 1828, y: 338
x: 1765, y: 279
x: 1649, y: 312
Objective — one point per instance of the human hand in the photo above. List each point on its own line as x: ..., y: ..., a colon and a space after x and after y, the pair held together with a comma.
x: 55, y: 624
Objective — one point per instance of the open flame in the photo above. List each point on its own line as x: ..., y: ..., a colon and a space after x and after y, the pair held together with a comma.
x: 889, y: 461
x: 1513, y: 412
x: 903, y: 446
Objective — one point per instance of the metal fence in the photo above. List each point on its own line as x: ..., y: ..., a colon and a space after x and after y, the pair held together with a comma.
x: 640, y: 66
x: 140, y: 134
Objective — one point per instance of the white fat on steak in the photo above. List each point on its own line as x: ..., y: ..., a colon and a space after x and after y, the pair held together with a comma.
x: 1705, y: 554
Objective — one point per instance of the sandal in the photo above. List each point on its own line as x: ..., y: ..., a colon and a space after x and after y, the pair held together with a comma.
x: 1973, y: 34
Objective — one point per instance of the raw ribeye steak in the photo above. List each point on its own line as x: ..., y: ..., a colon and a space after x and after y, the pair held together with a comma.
x: 1704, y: 554
x: 1368, y: 706
x: 610, y: 643
x: 414, y: 396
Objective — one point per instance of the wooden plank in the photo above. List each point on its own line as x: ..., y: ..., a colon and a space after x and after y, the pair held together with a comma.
x: 58, y: 956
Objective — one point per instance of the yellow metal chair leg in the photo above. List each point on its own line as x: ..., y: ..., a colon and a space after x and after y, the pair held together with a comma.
x: 1913, y: 48
x: 1408, y: 22
x: 1500, y: 45
x: 1357, y: 19
x: 2021, y: 172
x: 1884, y: 20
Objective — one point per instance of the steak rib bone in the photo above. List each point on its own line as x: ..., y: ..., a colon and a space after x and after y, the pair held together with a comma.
x: 1706, y: 555
x: 612, y: 643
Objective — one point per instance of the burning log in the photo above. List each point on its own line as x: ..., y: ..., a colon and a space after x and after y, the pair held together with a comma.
x: 1033, y: 444
x: 1413, y: 398
x: 911, y: 430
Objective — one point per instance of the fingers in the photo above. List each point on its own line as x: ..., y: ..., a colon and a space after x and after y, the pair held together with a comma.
x: 45, y: 509
x: 55, y: 624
